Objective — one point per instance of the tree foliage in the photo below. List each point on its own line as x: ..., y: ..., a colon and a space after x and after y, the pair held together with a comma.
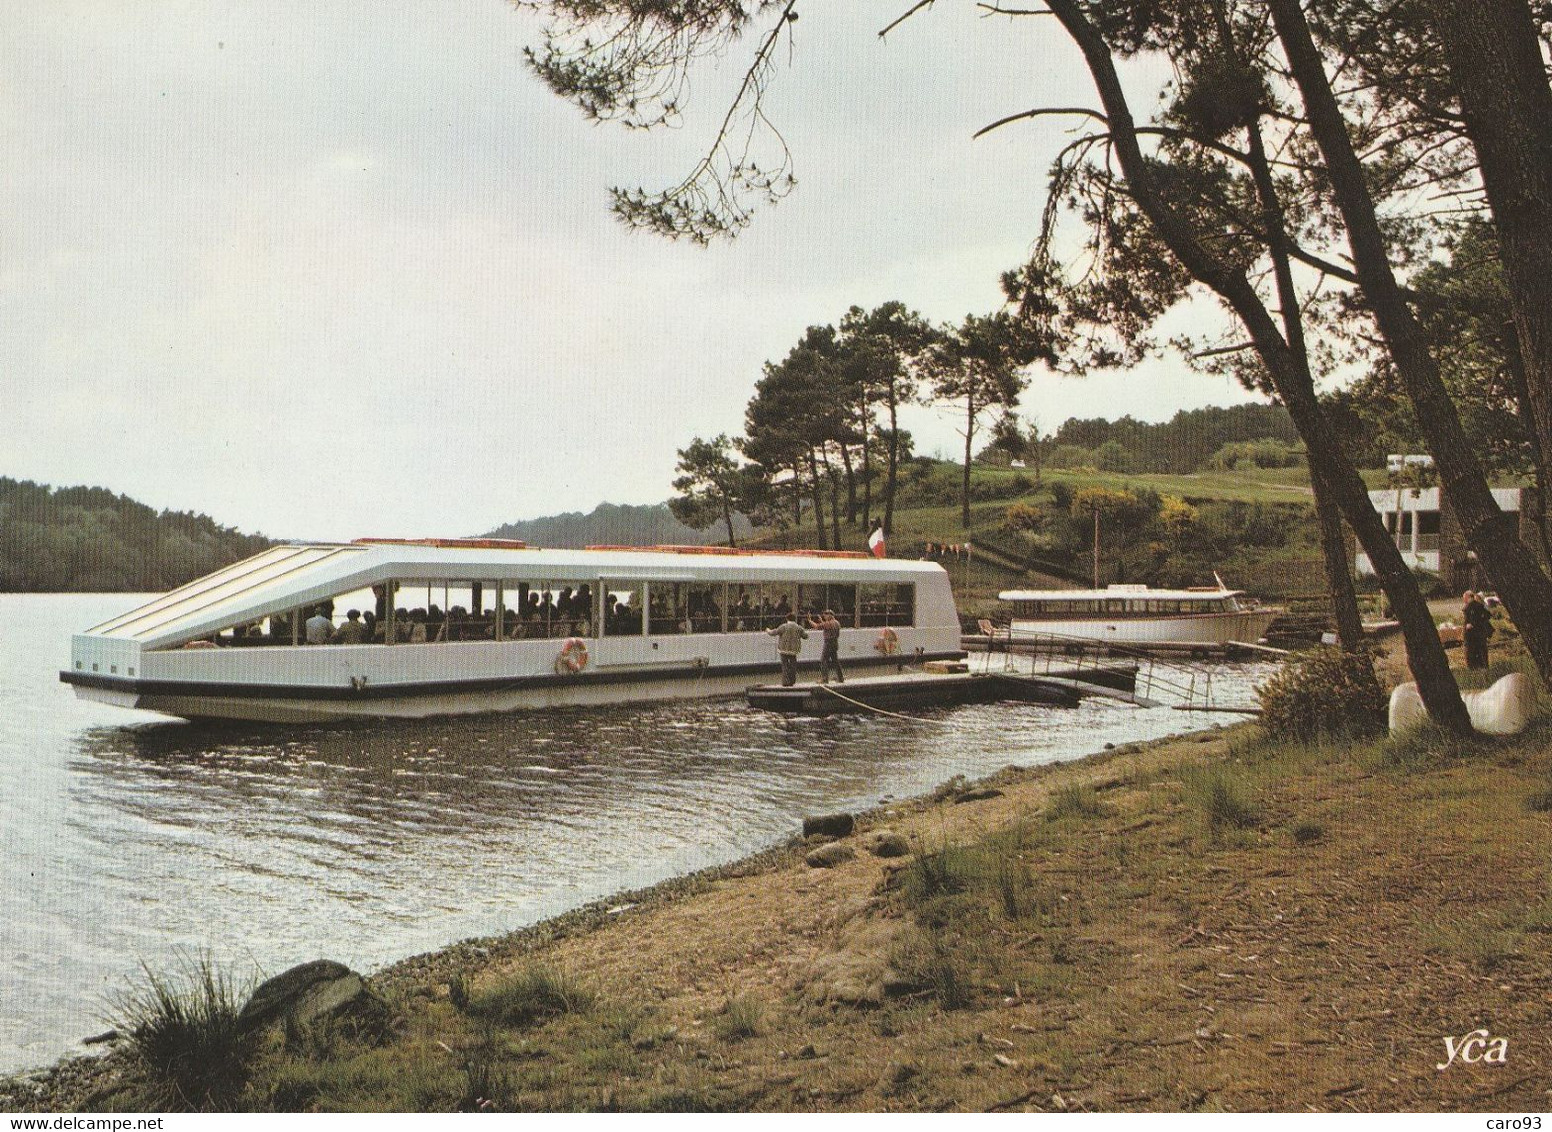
x: 710, y: 485
x: 89, y: 539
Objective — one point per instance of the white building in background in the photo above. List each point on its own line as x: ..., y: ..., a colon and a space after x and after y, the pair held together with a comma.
x: 1427, y: 532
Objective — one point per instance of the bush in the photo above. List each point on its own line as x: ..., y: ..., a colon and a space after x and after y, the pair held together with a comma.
x: 1026, y: 517
x: 1324, y: 694
x: 1070, y: 456
x: 183, y: 1032
x: 1307, y: 832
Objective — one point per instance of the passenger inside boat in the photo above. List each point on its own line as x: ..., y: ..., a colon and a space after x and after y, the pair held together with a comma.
x: 496, y: 610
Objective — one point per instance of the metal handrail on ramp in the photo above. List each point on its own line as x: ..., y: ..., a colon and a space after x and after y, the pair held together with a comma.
x: 1158, y: 680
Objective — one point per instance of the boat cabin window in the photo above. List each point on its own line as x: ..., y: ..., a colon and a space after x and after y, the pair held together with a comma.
x: 624, y: 603
x: 814, y: 598
x: 685, y: 607
x: 354, y: 617
x: 668, y: 609
x: 536, y: 610
x: 777, y: 602
x: 705, y: 605
x: 743, y: 607
x: 889, y: 603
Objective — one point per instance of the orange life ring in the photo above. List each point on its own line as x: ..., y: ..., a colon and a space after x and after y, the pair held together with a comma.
x: 888, y: 642
x: 573, y: 656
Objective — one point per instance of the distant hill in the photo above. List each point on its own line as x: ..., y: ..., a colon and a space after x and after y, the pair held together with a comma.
x: 616, y: 524
x: 65, y: 539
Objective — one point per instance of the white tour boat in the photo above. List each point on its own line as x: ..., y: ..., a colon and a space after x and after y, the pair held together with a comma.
x: 1138, y: 615
x: 421, y: 627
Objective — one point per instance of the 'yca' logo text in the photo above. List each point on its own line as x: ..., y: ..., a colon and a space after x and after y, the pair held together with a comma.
x: 1476, y: 1046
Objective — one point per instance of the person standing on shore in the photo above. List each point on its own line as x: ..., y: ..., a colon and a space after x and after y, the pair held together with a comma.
x: 789, y: 642
x: 1479, y: 627
x: 831, y: 628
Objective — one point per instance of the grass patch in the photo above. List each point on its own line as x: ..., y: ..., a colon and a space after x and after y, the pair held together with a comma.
x: 486, y: 1086
x: 1307, y: 832
x: 1223, y: 798
x: 939, y: 965
x: 1076, y: 801
x: 947, y: 872
x: 183, y: 1034
x: 535, y: 994
x: 739, y: 1018
x: 1486, y: 946
x: 1539, y: 916
x: 373, y: 1081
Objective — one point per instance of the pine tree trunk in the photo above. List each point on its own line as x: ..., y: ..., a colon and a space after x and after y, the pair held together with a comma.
x: 1525, y: 590
x: 1333, y: 546
x: 1339, y: 578
x: 867, y: 466
x: 964, y: 487
x: 835, y: 502
x: 851, y: 484
x: 819, y: 519
x: 1495, y: 61
x: 891, y: 469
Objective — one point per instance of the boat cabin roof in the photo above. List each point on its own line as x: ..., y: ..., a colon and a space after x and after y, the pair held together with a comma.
x: 1110, y: 593
x: 285, y: 577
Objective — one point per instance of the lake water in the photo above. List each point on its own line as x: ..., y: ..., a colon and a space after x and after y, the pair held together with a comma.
x: 129, y: 838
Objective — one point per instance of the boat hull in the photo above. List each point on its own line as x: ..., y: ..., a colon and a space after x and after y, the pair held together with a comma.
x: 278, y: 704
x: 1246, y: 626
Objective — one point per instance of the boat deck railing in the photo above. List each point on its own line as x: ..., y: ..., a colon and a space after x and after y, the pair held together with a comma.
x: 1177, y: 681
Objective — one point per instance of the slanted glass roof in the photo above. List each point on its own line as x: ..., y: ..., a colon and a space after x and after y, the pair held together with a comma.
x: 226, y: 591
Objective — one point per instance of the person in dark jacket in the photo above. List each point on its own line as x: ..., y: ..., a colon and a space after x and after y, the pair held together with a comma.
x: 831, y: 656
x: 1479, y: 627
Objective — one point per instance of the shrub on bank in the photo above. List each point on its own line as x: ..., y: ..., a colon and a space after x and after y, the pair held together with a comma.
x: 1324, y: 694
x: 182, y: 1030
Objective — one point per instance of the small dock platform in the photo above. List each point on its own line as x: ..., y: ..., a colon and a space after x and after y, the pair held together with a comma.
x: 914, y: 690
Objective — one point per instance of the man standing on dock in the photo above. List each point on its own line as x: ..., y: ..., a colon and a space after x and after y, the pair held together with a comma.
x: 831, y: 628
x: 789, y: 642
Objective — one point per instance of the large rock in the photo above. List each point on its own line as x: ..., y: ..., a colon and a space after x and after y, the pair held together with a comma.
x: 313, y: 992
x: 829, y: 825
x: 828, y: 856
x: 886, y: 843
x: 860, y: 971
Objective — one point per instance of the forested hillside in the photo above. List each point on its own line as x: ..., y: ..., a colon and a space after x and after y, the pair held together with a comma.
x: 1184, y: 443
x: 89, y: 539
x: 614, y: 524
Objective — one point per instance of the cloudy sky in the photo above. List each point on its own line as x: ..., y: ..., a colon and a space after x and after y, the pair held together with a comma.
x: 331, y: 269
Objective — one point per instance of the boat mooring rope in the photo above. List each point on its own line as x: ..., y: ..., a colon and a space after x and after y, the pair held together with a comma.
x: 859, y: 703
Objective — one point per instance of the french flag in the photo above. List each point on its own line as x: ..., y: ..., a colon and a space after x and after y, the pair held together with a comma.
x: 876, y: 542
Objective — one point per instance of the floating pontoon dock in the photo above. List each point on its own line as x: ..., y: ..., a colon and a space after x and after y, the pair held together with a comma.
x: 913, y: 690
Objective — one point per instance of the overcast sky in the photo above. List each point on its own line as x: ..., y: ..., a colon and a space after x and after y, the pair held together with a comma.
x: 324, y: 270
